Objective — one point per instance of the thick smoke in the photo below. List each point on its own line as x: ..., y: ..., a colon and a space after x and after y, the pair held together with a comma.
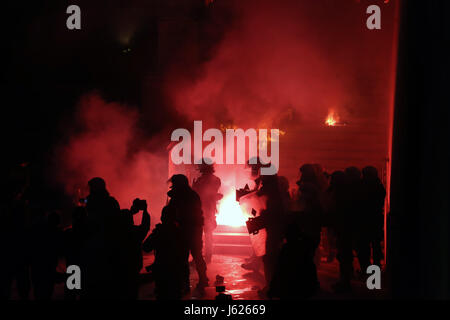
x: 105, y: 146
x: 292, y: 60
x: 287, y: 65
x: 277, y: 64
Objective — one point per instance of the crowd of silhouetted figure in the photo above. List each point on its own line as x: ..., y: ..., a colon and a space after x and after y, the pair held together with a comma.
x: 345, y: 211
x: 342, y: 210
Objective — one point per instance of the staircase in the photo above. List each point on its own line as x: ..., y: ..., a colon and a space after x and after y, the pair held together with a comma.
x: 232, y: 241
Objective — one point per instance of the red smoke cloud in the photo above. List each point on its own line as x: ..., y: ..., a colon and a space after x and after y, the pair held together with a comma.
x: 105, y: 147
x: 280, y: 64
x: 286, y: 64
x: 284, y: 57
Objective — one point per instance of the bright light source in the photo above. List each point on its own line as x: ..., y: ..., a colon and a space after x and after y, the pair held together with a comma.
x: 332, y: 119
x: 230, y: 212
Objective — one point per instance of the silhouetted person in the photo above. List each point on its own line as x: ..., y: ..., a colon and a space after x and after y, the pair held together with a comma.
x: 371, y: 218
x: 345, y: 188
x: 295, y: 275
x: 273, y: 216
x: 283, y: 184
x: 131, y: 246
x: 46, y: 246
x: 188, y: 207
x: 15, y: 227
x: 254, y: 262
x: 100, y: 267
x: 207, y: 186
x: 168, y: 269
x: 311, y: 188
x: 355, y: 202
x: 329, y: 240
x: 339, y: 219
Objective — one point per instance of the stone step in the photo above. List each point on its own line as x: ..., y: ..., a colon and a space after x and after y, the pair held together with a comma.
x: 231, y: 238
x: 230, y: 229
x: 236, y: 249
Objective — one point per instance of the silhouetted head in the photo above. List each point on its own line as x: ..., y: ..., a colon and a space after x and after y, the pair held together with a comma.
x: 255, y: 164
x: 321, y: 179
x: 270, y: 181
x: 353, y: 173
x: 307, y: 174
x: 179, y: 181
x: 370, y: 173
x: 205, y: 168
x: 97, y: 186
x: 337, y: 179
x: 317, y: 168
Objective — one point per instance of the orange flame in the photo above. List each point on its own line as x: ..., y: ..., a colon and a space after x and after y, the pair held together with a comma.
x: 332, y: 119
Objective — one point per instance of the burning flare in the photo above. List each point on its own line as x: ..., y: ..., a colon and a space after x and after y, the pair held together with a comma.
x: 332, y: 119
x: 230, y: 212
